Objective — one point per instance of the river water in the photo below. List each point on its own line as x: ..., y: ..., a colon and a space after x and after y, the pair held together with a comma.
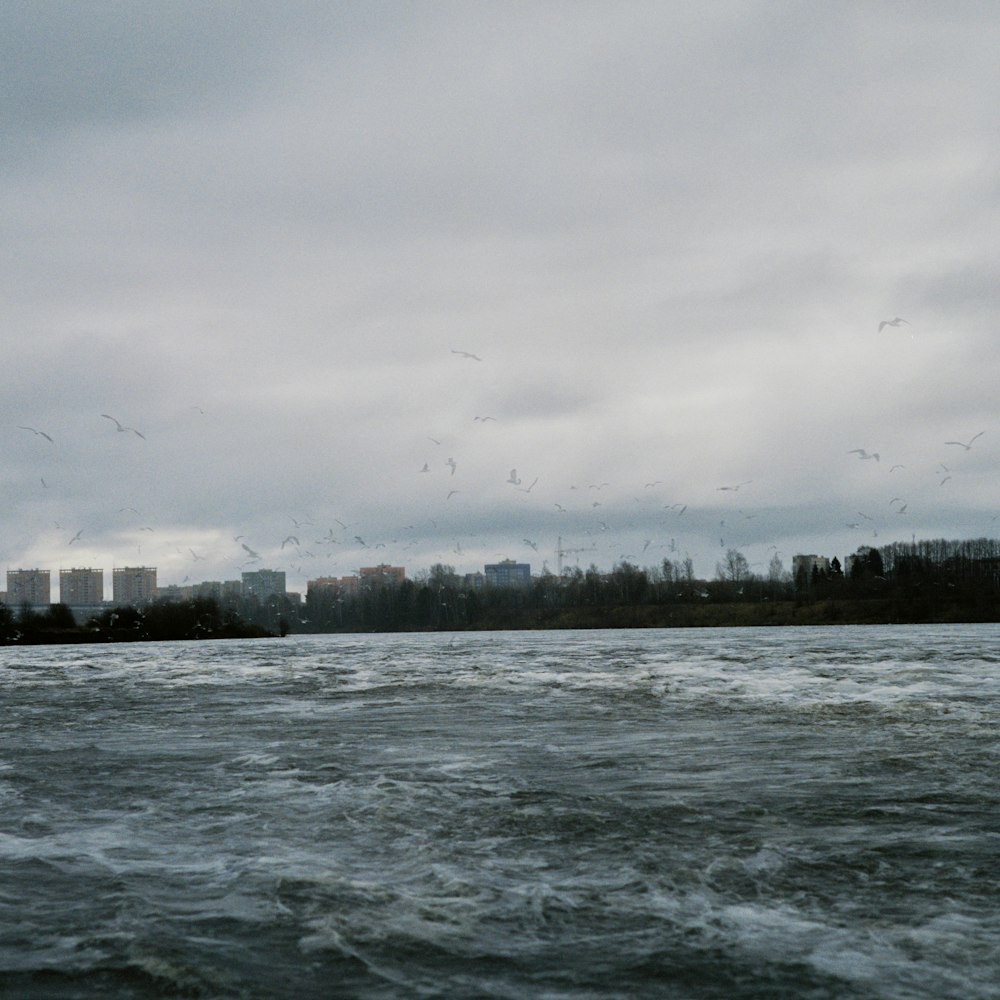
x: 703, y: 813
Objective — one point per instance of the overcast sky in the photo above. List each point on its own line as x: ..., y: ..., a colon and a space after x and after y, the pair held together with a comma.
x: 261, y: 235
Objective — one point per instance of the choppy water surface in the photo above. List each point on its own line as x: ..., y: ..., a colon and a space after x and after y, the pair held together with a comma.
x: 694, y: 813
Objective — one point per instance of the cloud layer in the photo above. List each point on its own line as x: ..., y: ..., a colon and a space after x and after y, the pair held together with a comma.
x: 669, y: 236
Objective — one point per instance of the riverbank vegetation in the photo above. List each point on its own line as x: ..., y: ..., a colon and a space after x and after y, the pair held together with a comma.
x: 902, y: 583
x: 202, y: 618
x: 934, y: 581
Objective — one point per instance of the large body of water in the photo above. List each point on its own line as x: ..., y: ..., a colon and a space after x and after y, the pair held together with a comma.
x: 728, y: 813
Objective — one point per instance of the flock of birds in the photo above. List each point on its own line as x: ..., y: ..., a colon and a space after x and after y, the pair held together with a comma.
x: 605, y: 526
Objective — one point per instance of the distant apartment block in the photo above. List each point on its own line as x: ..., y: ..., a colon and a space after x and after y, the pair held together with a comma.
x: 334, y: 584
x: 507, y: 573
x: 29, y: 586
x: 174, y: 592
x: 207, y: 588
x: 805, y: 566
x: 134, y: 585
x: 381, y: 576
x: 264, y: 583
x: 81, y: 587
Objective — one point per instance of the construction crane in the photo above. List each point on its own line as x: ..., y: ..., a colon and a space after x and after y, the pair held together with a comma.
x: 560, y: 552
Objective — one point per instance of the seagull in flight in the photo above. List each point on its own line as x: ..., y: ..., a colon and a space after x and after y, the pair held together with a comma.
x: 962, y: 444
x: 76, y: 537
x: 466, y: 354
x: 891, y: 322
x: 120, y: 427
x: 451, y: 465
x: 514, y: 478
x: 249, y: 551
x: 734, y: 488
x: 528, y: 489
x: 36, y: 431
x: 862, y: 454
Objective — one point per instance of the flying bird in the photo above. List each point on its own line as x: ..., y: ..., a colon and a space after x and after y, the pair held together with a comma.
x: 891, y: 322
x: 36, y: 431
x: 466, y: 354
x: 863, y: 455
x: 451, y: 465
x: 120, y: 427
x: 249, y: 551
x: 76, y: 537
x: 290, y: 539
x: 528, y: 489
x: 514, y: 478
x: 962, y: 444
x: 734, y: 488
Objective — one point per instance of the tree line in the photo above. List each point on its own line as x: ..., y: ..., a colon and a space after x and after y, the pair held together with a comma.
x: 920, y: 581
x: 200, y: 618
x: 935, y: 580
